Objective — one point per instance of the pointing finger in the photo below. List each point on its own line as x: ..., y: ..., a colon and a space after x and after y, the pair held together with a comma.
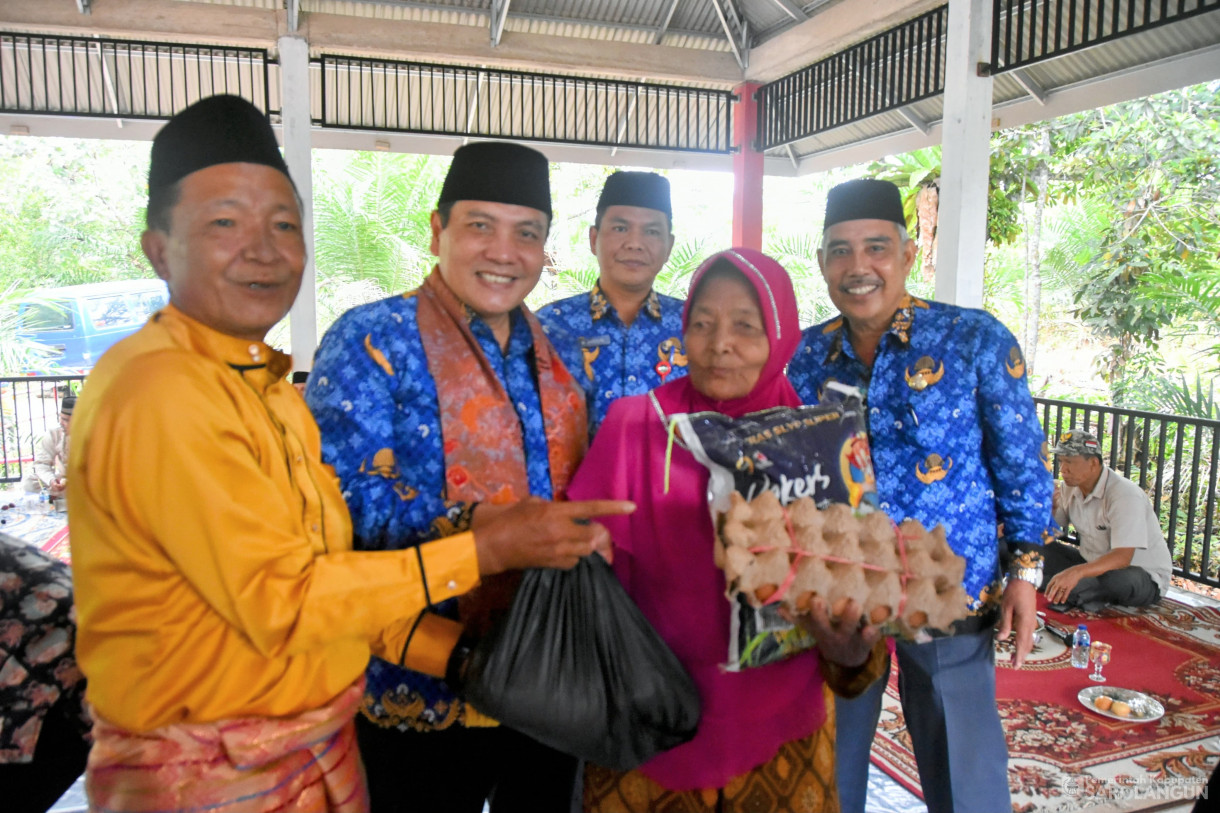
x: 587, y: 509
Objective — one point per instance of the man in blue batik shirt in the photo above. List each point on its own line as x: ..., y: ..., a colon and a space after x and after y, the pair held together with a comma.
x: 955, y: 441
x: 440, y: 410
x: 622, y: 337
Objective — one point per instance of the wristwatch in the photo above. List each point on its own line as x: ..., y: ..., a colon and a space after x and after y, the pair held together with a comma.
x: 1033, y: 575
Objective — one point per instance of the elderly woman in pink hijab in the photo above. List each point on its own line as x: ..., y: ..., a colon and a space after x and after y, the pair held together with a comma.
x: 766, y: 736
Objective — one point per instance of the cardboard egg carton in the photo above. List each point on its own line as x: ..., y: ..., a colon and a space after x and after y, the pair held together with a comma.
x: 833, y: 554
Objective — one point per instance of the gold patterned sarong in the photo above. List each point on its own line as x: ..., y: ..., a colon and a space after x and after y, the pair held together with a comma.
x: 305, y: 763
x: 799, y: 779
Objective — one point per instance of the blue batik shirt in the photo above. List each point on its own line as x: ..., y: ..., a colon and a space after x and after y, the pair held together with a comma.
x: 954, y: 433
x: 376, y: 405
x: 609, y: 359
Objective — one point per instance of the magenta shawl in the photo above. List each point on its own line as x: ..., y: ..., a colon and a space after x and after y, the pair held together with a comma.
x: 663, y: 556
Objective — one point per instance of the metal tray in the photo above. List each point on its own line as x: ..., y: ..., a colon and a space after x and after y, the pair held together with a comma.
x: 1144, y: 708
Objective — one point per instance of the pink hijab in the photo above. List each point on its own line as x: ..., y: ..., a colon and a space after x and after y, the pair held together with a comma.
x: 778, y: 303
x: 664, y: 555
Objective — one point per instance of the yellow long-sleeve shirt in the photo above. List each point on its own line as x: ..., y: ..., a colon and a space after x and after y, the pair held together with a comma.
x: 211, y: 548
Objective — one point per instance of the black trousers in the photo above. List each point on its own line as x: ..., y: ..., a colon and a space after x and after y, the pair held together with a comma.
x: 455, y: 770
x: 59, y: 759
x: 1129, y: 586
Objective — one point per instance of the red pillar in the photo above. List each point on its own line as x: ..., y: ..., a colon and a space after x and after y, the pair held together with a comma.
x: 747, y: 171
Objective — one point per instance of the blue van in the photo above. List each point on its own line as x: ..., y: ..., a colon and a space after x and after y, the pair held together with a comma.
x: 80, y: 322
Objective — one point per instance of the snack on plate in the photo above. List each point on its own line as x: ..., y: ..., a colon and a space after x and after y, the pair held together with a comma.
x: 904, y: 578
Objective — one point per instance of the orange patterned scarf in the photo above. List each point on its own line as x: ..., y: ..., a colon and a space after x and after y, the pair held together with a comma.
x: 484, y: 447
x: 247, y: 765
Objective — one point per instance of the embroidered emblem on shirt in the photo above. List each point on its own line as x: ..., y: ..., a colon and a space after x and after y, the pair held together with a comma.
x: 1016, y: 364
x: 385, y: 466
x: 927, y: 372
x: 904, y: 317
x: 598, y: 304
x: 669, y: 351
x: 590, y: 355
x: 652, y: 305
x: 993, y: 593
x: 934, y: 468
x: 376, y: 355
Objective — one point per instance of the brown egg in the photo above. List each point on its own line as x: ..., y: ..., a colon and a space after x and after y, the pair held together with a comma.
x: 1102, y: 702
x: 765, y: 591
x: 1120, y: 709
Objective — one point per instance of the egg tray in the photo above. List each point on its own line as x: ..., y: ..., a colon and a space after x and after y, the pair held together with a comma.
x: 904, y: 577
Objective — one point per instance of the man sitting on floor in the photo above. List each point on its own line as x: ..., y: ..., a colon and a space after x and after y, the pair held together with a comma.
x: 50, y: 469
x: 1123, y: 558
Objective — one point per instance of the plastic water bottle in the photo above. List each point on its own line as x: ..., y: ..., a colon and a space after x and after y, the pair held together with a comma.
x: 1080, y: 647
x: 44, y: 504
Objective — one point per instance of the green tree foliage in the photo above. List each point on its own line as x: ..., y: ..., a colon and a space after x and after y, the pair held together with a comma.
x: 1157, y: 162
x: 73, y: 213
x: 372, y: 216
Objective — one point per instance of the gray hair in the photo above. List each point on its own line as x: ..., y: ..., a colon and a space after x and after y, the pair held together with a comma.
x: 903, y: 238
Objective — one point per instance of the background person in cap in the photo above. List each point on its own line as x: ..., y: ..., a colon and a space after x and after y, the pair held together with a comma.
x: 438, y: 409
x: 956, y: 442
x: 1122, y: 557
x: 622, y: 337
x: 224, y: 622
x: 50, y: 469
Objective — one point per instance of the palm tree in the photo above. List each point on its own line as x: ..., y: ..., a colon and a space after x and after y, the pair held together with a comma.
x: 917, y: 174
x: 18, y: 354
x: 372, y: 213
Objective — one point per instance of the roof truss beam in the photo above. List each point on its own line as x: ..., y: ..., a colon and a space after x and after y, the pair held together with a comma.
x: 499, y: 15
x: 1031, y: 87
x: 664, y: 26
x: 914, y: 120
x: 736, y: 29
x: 792, y: 10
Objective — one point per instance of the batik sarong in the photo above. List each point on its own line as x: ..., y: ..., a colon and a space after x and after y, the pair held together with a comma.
x: 305, y: 763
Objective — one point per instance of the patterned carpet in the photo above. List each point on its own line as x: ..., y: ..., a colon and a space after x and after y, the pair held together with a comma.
x: 1066, y: 758
x: 33, y: 523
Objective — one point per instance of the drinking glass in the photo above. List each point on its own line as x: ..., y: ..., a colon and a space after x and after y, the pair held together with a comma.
x: 1100, y: 653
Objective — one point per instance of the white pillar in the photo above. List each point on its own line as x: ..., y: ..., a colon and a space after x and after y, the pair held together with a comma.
x: 295, y: 117
x: 965, y: 154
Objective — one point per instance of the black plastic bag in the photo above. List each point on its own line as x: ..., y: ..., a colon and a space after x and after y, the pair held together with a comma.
x: 577, y: 666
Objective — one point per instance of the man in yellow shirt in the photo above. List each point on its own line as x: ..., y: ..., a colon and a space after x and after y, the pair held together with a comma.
x: 224, y: 621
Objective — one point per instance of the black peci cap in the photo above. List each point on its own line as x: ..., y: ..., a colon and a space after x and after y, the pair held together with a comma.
x: 499, y: 172
x: 215, y: 130
x: 864, y: 199
x: 647, y: 190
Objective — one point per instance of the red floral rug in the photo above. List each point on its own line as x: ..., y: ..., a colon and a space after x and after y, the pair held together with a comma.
x: 1065, y: 758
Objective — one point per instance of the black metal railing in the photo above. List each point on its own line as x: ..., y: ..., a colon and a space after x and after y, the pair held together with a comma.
x: 29, y: 406
x: 79, y: 76
x: 1175, y: 459
x: 1172, y: 458
x: 891, y: 70
x: 1029, y: 31
x: 415, y: 97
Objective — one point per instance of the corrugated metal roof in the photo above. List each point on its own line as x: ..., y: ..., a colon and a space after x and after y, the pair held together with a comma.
x: 267, y: 4
x: 1137, y: 49
x: 1070, y: 70
x: 695, y: 25
x: 417, y: 12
